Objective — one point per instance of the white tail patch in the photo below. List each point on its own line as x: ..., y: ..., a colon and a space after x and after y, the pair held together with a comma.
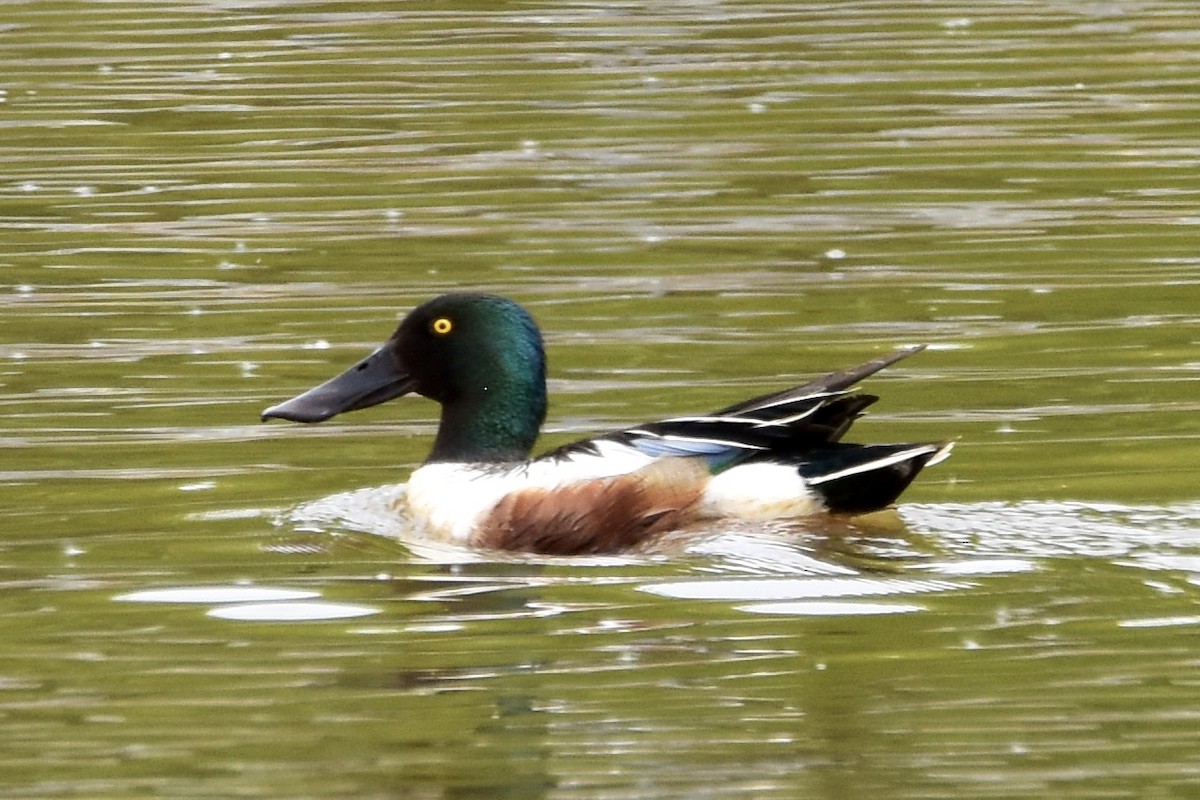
x: 759, y: 491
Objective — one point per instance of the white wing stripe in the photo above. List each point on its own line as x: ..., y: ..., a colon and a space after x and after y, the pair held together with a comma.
x: 706, y: 440
x: 783, y: 401
x: 726, y: 420
x: 870, y: 466
x: 757, y: 422
x: 671, y: 437
x: 785, y: 421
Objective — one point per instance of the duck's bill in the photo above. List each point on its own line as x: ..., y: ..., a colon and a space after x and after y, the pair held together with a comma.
x: 372, y: 381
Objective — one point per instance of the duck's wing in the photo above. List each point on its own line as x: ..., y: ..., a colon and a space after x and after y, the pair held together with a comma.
x: 779, y: 424
x: 833, y: 383
x: 776, y: 454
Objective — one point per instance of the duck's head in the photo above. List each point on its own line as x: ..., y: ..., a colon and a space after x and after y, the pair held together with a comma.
x: 478, y: 355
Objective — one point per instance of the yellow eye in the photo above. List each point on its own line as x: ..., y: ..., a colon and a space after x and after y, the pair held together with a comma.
x: 441, y: 326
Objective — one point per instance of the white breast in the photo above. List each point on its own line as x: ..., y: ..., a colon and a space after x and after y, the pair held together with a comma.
x: 447, y: 501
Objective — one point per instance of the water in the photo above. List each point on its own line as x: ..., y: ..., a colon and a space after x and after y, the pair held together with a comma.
x: 209, y: 207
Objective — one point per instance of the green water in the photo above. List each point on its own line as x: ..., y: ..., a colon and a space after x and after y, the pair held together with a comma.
x: 208, y: 207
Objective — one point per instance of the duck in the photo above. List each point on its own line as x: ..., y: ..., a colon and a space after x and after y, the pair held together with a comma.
x: 775, y: 456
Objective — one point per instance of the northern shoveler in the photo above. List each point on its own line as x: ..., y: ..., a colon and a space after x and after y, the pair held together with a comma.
x: 481, y: 357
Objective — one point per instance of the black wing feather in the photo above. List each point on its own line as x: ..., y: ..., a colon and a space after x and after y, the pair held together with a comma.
x: 780, y: 424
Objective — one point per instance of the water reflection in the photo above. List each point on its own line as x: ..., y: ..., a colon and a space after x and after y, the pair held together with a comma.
x: 892, y: 556
x: 253, y: 603
x: 306, y: 611
x: 829, y: 608
x: 207, y: 595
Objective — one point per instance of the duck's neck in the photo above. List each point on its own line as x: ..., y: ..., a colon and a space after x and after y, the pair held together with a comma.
x: 498, y: 422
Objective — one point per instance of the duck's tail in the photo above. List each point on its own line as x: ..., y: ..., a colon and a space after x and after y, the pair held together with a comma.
x: 860, y: 478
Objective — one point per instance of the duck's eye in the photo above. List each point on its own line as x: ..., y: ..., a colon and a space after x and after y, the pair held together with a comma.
x: 441, y: 326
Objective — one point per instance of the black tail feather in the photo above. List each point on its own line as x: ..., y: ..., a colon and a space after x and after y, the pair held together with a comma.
x: 860, y: 478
